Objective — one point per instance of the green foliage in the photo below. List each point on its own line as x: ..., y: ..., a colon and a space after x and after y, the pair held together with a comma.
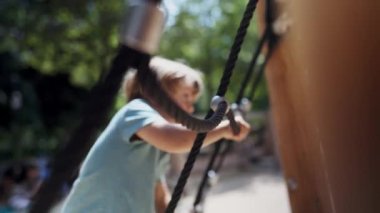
x: 79, y: 38
x: 75, y: 37
x: 203, y: 34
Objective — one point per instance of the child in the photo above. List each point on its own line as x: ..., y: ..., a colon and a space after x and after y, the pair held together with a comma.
x: 123, y: 170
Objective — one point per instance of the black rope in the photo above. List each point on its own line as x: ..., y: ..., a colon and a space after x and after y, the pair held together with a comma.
x: 219, y: 144
x: 239, y: 38
x: 252, y: 64
x: 205, y: 177
x: 272, y: 40
x: 230, y: 64
x: 270, y: 12
x: 251, y: 96
x: 259, y: 75
x: 229, y: 144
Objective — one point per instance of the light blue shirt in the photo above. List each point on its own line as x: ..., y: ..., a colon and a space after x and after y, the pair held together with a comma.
x: 119, y: 175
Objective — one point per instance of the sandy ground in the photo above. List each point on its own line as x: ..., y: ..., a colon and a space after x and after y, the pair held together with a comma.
x: 253, y: 188
x: 248, y: 188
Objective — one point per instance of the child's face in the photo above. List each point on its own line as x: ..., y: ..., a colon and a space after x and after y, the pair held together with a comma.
x: 185, y: 96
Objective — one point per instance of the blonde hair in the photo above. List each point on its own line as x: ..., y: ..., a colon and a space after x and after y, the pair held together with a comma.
x: 169, y: 73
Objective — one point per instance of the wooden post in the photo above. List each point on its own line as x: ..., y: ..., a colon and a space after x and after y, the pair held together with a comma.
x: 324, y: 84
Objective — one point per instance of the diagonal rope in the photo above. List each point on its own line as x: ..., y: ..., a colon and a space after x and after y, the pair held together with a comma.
x: 230, y: 64
x: 251, y: 66
x: 218, y: 145
x: 272, y: 41
x: 251, y: 95
x: 235, y: 49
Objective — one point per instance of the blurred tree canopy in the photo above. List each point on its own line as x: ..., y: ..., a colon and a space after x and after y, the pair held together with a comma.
x: 52, y: 52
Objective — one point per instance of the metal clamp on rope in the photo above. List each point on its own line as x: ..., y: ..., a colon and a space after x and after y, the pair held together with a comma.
x: 242, y: 108
x: 245, y: 105
x: 143, y: 26
x: 230, y: 114
x: 215, y: 101
x: 198, y: 209
x: 213, y: 178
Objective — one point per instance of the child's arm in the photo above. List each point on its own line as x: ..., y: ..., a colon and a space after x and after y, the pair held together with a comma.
x: 175, y: 138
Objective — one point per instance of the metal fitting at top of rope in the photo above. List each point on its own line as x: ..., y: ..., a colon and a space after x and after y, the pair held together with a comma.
x: 143, y: 26
x: 242, y: 108
x: 216, y: 100
x: 245, y: 105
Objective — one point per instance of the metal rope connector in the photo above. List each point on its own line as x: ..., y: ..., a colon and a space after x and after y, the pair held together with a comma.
x: 213, y: 178
x: 143, y: 26
x: 215, y: 101
x: 244, y: 106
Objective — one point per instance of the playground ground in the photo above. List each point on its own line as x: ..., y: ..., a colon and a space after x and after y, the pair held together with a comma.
x: 242, y: 188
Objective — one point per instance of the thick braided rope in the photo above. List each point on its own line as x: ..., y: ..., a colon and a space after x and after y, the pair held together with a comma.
x: 239, y: 38
x: 272, y: 41
x: 218, y: 145
x: 230, y: 64
x: 186, y: 171
x: 251, y: 96
x: 156, y: 95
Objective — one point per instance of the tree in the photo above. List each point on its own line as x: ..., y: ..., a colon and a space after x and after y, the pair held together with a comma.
x: 61, y: 49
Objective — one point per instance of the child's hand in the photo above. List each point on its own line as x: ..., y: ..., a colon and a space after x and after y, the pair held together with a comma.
x: 244, y: 130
